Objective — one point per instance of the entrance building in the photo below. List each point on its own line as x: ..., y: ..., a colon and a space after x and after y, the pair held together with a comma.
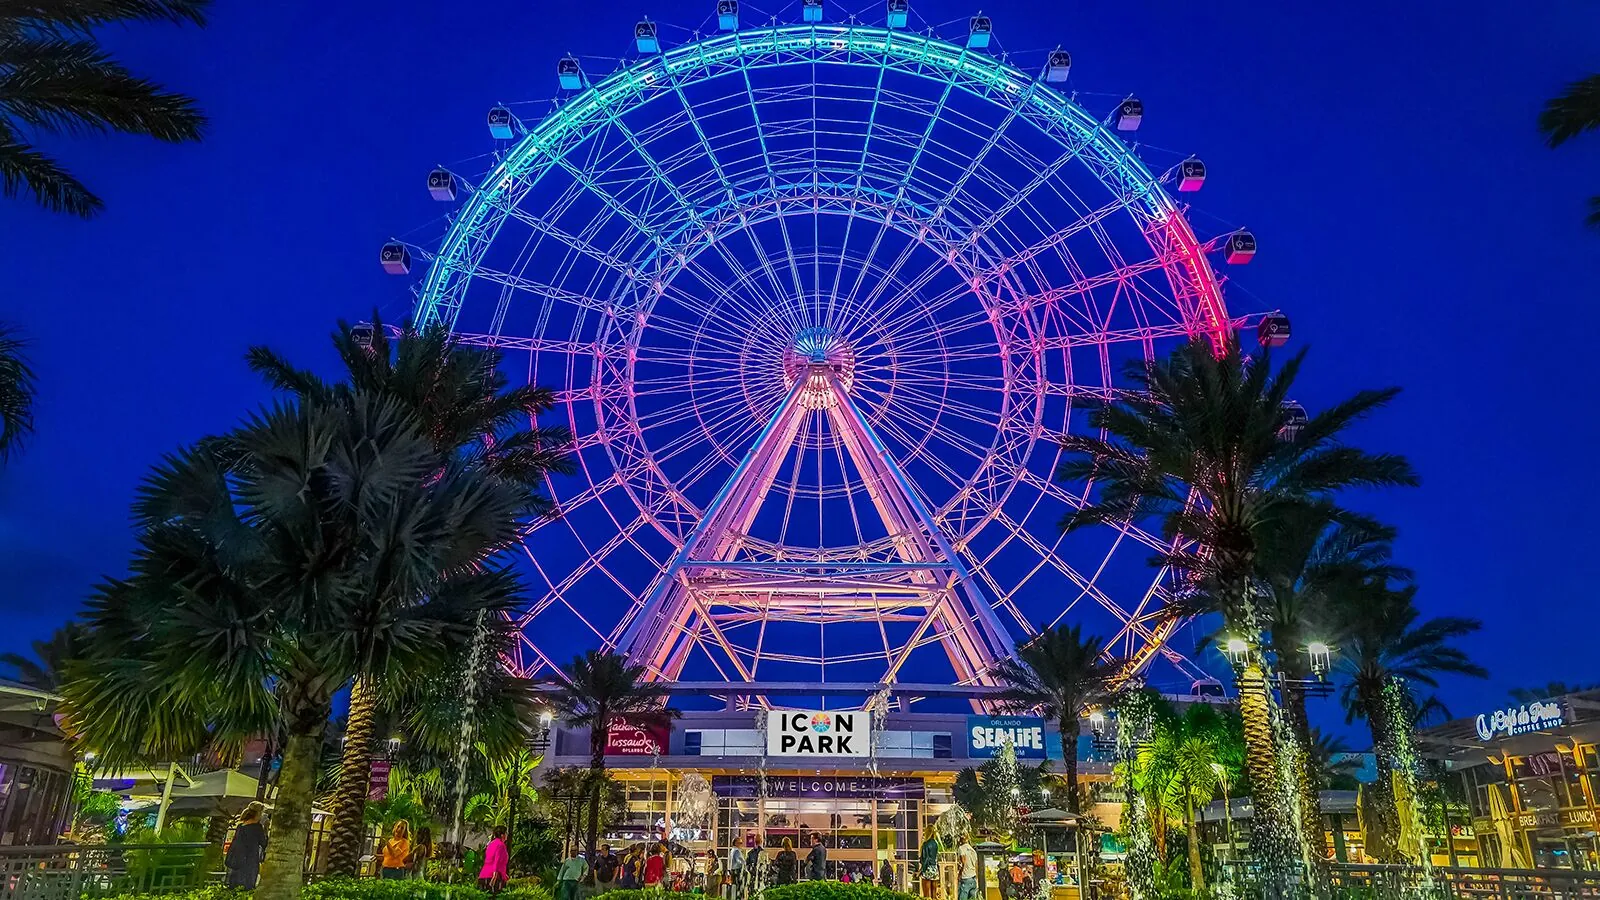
x: 718, y: 779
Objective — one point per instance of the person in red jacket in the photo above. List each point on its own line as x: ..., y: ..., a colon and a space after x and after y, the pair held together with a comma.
x: 655, y: 868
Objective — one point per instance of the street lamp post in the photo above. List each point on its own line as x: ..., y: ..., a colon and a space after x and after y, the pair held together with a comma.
x: 1227, y: 803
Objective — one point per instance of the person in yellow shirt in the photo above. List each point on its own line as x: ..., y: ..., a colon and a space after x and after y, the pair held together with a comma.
x: 396, y: 859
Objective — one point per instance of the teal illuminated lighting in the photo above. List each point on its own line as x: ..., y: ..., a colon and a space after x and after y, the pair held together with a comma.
x: 975, y: 73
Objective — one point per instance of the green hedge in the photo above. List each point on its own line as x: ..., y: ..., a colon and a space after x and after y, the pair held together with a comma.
x: 833, y: 890
x: 413, y: 889
x: 209, y: 892
x: 640, y: 894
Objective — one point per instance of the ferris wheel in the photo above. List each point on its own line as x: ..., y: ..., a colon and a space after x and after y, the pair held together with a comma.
x: 816, y: 299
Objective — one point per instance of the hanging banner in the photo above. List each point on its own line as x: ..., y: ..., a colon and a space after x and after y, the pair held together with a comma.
x: 625, y: 738
x: 816, y: 733
x: 378, y: 781
x: 987, y: 734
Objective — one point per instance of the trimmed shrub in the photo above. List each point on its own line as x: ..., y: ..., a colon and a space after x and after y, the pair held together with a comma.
x: 209, y: 892
x: 833, y: 890
x: 387, y: 889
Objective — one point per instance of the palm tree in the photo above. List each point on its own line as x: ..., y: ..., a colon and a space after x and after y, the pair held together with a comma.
x: 1208, y: 425
x: 1308, y: 566
x: 1063, y: 674
x: 16, y: 391
x: 597, y: 689
x: 467, y: 411
x: 56, y: 79
x: 316, y: 544
x: 1179, y: 768
x: 1576, y: 111
x: 47, y: 669
x: 1386, y: 648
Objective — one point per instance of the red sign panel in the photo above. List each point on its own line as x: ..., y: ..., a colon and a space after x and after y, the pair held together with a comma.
x: 378, y: 781
x: 624, y: 738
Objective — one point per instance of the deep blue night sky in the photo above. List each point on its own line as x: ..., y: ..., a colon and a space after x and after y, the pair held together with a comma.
x: 1411, y: 222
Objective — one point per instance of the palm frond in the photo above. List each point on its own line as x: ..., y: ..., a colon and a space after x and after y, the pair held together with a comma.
x: 82, y: 15
x: 16, y: 385
x: 1575, y: 111
x: 70, y: 85
x: 24, y: 169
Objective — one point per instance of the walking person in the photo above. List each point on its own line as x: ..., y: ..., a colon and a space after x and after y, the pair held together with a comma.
x: 787, y: 864
x: 247, y: 849
x: 496, y: 869
x: 755, y: 868
x: 713, y: 875
x: 572, y: 870
x: 395, y: 858
x: 605, y: 869
x: 817, y: 860
x: 733, y: 881
x: 928, y: 865
x: 886, y: 875
x: 655, y: 868
x: 421, y: 852
x: 966, y: 870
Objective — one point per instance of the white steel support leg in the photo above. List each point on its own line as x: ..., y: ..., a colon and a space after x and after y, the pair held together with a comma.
x: 707, y: 571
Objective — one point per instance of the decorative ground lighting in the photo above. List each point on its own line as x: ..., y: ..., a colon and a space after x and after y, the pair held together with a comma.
x: 395, y: 743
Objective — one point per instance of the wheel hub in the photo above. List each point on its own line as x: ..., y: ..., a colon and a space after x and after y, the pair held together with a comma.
x: 813, y: 354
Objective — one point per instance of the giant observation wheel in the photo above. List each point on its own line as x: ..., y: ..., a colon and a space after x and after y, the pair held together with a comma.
x: 816, y: 298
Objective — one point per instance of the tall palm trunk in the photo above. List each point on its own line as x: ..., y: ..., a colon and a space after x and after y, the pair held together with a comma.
x: 1197, y: 875
x: 290, y: 825
x: 1069, y: 761
x: 1311, y: 830
x: 1270, y: 842
x: 1385, y: 830
x: 349, y: 827
x: 597, y: 771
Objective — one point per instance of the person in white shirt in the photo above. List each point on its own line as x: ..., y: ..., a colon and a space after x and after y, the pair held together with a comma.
x: 966, y: 870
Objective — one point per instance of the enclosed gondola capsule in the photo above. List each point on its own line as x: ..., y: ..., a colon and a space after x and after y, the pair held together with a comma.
x: 361, y: 335
x: 899, y: 13
x: 500, y: 124
x: 570, y: 74
x: 1294, y: 419
x: 396, y: 258
x: 1191, y: 175
x: 441, y: 185
x: 811, y: 11
x: 1057, y: 69
x: 1130, y: 114
x: 644, y: 37
x: 1273, y: 331
x: 728, y: 15
x: 979, y: 30
x: 1240, y: 249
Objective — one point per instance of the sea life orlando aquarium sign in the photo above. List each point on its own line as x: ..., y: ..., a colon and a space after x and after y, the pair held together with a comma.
x: 1536, y: 716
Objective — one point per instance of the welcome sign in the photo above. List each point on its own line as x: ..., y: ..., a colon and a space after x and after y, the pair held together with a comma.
x: 792, y: 732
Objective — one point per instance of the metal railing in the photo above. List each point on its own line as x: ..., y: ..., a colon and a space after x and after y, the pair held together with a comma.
x: 74, y: 871
x: 1386, y: 882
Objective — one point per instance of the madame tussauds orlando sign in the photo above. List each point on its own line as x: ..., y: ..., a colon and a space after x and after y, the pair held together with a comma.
x: 793, y: 732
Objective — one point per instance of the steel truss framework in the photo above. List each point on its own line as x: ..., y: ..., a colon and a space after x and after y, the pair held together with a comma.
x: 815, y: 300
